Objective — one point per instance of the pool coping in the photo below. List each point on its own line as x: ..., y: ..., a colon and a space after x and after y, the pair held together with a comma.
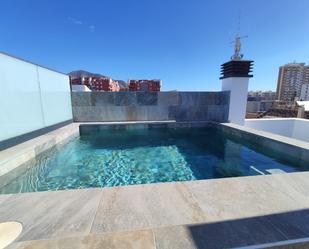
x: 288, y: 147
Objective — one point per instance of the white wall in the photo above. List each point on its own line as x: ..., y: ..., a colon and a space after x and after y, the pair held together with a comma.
x: 301, y: 129
x: 31, y: 97
x: 289, y: 127
x: 238, y: 98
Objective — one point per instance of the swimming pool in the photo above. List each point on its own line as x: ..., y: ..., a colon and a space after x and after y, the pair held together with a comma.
x: 140, y: 156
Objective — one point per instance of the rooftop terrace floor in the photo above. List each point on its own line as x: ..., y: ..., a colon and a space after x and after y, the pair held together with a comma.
x: 219, y: 213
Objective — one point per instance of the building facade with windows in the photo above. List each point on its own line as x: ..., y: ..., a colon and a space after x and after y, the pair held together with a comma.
x: 145, y: 85
x: 290, y: 80
x: 304, y: 94
x: 263, y: 95
x: 97, y: 83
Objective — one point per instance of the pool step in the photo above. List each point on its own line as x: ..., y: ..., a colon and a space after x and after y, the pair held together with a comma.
x: 275, y: 171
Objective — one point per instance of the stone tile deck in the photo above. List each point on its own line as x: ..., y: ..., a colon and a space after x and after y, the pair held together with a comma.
x: 218, y: 213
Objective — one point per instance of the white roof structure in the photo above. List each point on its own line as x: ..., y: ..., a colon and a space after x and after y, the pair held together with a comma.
x: 80, y: 88
x: 304, y: 103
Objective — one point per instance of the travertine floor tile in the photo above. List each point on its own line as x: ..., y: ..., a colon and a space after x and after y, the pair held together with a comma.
x: 3, y: 198
x: 52, y: 214
x: 126, y: 240
x: 35, y: 244
x: 242, y: 197
x: 145, y: 206
x: 296, y: 185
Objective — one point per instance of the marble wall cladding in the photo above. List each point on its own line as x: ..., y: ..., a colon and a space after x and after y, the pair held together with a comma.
x: 124, y: 98
x: 150, y: 98
x: 168, y: 99
x: 82, y: 99
x: 150, y: 106
x: 97, y: 99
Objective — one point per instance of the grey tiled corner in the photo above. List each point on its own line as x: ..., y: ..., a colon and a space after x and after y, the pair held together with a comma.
x: 218, y: 113
x: 223, y: 98
x: 147, y: 98
x: 188, y: 98
x: 168, y: 98
x: 183, y: 113
x: 136, y: 113
x: 125, y: 98
x: 81, y: 98
x: 177, y: 113
x: 157, y: 113
x: 102, y: 99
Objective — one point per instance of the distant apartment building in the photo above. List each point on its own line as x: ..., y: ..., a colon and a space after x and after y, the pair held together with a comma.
x: 105, y: 84
x: 264, y: 95
x: 97, y: 83
x: 304, y: 94
x: 260, y: 101
x: 145, y: 85
x: 290, y: 80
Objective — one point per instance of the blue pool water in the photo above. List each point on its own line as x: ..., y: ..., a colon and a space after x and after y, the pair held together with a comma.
x: 124, y: 157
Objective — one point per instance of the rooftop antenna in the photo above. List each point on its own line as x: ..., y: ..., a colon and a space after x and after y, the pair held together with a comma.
x: 237, y: 56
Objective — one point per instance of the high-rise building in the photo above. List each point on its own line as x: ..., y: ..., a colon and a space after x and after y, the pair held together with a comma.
x: 304, y: 94
x: 290, y: 80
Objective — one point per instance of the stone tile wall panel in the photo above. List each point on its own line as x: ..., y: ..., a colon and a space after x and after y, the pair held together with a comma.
x: 150, y: 106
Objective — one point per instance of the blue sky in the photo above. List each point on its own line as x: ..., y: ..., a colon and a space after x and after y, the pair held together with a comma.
x: 181, y: 42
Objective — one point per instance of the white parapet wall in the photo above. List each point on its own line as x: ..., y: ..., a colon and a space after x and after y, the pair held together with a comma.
x: 32, y: 97
x: 289, y: 127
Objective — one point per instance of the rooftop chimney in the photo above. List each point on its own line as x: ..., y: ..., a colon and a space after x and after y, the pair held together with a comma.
x: 235, y: 76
